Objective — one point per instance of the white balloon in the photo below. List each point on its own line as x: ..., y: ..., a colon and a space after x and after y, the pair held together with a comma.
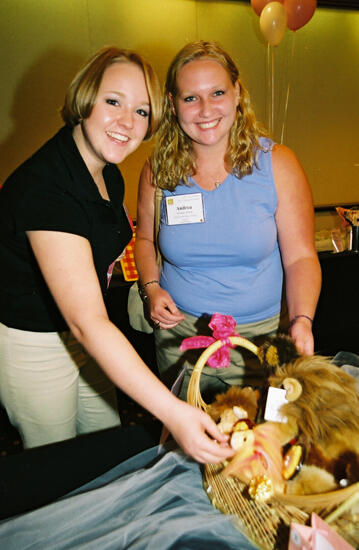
x: 273, y: 22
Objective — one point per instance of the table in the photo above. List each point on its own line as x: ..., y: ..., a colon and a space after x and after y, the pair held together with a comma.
x: 336, y: 323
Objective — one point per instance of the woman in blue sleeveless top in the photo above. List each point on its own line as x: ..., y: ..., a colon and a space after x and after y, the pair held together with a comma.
x: 236, y: 220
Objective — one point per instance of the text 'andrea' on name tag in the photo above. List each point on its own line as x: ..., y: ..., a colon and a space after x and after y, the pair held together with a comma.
x: 183, y: 209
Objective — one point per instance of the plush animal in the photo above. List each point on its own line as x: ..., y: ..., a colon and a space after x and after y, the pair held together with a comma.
x: 245, y: 399
x: 322, y: 411
x: 235, y: 412
x: 319, y: 441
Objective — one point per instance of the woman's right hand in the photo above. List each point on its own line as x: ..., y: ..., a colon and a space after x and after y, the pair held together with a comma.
x: 163, y: 311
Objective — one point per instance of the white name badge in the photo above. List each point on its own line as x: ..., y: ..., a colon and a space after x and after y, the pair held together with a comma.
x: 275, y: 399
x: 183, y: 209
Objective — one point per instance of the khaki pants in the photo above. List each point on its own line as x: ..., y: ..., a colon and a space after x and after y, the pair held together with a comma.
x: 244, y: 369
x: 51, y: 388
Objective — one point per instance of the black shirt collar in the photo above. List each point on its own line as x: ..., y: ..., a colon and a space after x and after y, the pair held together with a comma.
x: 81, y: 181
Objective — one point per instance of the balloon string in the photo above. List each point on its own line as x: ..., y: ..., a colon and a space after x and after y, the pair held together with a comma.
x: 269, y: 93
x: 272, y: 110
x: 288, y: 87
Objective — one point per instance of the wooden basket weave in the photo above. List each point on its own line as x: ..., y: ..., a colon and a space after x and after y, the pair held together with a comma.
x: 267, y: 524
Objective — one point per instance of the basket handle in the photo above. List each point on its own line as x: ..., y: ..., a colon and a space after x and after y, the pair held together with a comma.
x: 193, y: 393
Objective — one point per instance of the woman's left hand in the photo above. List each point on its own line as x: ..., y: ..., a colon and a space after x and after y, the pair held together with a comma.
x: 295, y: 223
x: 302, y: 334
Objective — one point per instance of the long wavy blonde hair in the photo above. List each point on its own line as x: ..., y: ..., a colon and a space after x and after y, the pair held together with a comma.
x: 173, y: 159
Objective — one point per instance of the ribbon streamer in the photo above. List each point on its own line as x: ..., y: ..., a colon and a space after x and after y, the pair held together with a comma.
x: 222, y: 327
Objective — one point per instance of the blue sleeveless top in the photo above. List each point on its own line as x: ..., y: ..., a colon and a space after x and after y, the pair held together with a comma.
x: 231, y: 262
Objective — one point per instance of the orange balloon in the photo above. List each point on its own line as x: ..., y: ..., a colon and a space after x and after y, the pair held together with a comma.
x: 258, y: 5
x: 299, y: 12
x: 273, y: 22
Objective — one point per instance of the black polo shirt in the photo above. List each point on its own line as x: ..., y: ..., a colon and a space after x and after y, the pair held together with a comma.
x: 53, y: 190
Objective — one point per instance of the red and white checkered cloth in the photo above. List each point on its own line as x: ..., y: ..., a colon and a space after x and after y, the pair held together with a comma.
x: 128, y: 261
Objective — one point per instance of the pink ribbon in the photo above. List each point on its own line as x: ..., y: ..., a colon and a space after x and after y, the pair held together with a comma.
x: 223, y: 327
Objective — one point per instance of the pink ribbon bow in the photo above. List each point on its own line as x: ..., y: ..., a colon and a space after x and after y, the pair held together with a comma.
x: 222, y: 326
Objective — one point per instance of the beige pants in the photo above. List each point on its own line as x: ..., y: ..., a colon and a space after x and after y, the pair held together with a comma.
x: 244, y: 369
x: 51, y: 388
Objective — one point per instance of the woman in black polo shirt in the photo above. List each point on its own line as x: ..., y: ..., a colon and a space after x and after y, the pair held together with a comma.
x: 62, y: 225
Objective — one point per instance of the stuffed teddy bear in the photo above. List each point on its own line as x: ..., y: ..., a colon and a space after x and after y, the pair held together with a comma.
x: 235, y: 412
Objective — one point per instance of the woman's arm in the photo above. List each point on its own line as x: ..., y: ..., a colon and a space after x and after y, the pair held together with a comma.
x: 295, y: 223
x: 162, y: 307
x: 67, y: 265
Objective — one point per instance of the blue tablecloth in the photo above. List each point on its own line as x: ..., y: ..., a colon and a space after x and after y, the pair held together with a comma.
x: 148, y: 502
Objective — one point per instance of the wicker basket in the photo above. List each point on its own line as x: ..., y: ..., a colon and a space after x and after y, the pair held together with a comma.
x: 267, y: 524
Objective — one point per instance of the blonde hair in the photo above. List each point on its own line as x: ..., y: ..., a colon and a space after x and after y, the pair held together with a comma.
x: 82, y: 92
x: 173, y: 159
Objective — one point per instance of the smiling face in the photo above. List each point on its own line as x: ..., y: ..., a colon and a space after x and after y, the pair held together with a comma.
x: 206, y: 103
x: 119, y: 119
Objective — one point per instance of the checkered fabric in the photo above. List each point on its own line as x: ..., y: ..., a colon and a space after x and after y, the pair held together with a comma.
x: 128, y: 261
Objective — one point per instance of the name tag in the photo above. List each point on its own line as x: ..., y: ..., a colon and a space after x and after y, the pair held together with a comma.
x: 275, y: 399
x: 184, y: 209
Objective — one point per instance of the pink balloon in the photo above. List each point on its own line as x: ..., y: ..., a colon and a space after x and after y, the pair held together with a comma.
x: 258, y: 5
x: 299, y: 12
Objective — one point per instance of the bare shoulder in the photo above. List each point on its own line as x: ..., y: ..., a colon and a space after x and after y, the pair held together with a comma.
x: 145, y: 203
x: 287, y: 170
x: 283, y: 158
x: 146, y: 187
x: 146, y: 176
